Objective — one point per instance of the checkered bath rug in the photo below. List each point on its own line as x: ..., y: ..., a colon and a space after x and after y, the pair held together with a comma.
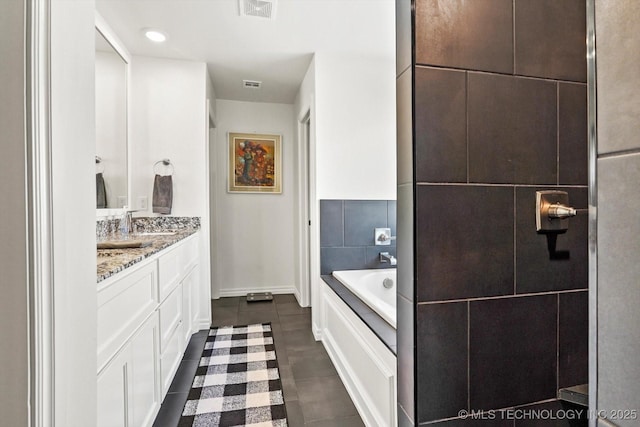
x: 237, y: 382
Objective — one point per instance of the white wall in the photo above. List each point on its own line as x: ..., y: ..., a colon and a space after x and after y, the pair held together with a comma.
x: 14, y: 331
x: 73, y: 198
x: 355, y: 127
x: 255, y: 246
x: 353, y: 139
x: 169, y: 119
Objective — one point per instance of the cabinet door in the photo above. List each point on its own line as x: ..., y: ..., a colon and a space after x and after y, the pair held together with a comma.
x: 170, y: 317
x: 113, y: 391
x: 145, y: 391
x: 171, y: 337
x: 187, y: 290
x: 197, y: 298
x: 170, y: 270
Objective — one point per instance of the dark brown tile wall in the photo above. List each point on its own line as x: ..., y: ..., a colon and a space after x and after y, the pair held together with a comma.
x: 499, y: 111
x: 572, y: 136
x: 465, y: 34
x: 550, y: 39
x: 464, y: 230
x: 441, y: 131
x: 512, y: 347
x: 443, y: 354
x: 512, y: 130
x: 573, y: 339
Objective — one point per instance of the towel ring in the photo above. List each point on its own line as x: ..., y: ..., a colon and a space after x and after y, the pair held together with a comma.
x: 165, y: 162
x: 99, y: 165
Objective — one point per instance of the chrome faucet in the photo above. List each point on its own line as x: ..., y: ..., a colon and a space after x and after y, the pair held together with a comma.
x: 387, y: 257
x: 126, y: 221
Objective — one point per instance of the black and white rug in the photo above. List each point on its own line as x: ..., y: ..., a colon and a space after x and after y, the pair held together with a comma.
x: 237, y: 382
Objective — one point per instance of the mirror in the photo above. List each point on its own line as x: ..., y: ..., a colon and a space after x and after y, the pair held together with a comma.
x: 111, y: 69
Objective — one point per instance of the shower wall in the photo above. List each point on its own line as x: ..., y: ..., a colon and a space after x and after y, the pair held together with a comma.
x: 618, y: 164
x: 491, y: 108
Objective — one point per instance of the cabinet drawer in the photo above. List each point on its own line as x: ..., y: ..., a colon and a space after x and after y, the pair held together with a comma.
x: 122, y: 307
x: 169, y: 270
x: 170, y: 316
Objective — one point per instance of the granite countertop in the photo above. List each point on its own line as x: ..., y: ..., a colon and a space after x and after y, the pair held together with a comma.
x: 113, y: 261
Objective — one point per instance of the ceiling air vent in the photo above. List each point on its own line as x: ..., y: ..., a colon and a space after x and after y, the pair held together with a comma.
x: 258, y: 8
x: 251, y: 84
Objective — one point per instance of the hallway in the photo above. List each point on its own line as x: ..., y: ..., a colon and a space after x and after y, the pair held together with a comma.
x: 313, y: 392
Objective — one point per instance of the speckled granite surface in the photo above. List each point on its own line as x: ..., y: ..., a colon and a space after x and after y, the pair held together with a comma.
x: 112, y: 261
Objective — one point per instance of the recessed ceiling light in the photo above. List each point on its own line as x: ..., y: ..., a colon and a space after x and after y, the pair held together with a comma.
x: 155, y: 35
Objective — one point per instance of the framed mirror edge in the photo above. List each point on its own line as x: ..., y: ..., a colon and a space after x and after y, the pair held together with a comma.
x: 118, y: 46
x: 103, y: 27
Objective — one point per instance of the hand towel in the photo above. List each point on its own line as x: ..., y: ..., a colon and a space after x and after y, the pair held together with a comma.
x: 101, y: 192
x: 162, y: 194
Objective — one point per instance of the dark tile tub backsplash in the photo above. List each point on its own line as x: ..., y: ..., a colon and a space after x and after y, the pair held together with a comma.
x: 347, y: 233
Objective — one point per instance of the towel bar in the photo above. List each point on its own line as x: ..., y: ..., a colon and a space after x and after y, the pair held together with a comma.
x: 165, y: 162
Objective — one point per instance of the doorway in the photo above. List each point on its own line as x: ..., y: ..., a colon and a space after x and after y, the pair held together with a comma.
x: 304, y: 209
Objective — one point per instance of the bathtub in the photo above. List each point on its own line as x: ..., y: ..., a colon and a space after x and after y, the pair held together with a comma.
x: 364, y: 359
x: 368, y: 286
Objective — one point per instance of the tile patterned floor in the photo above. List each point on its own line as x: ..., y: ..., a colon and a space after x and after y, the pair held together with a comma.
x: 313, y: 393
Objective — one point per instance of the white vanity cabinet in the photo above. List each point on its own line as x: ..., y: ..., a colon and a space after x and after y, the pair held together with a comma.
x: 146, y: 316
x: 128, y: 394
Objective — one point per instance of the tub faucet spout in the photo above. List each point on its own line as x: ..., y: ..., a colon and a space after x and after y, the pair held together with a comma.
x: 387, y: 257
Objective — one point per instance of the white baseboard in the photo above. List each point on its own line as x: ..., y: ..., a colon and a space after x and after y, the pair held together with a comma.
x: 240, y: 292
x: 203, y: 324
x: 317, y: 332
x: 296, y: 293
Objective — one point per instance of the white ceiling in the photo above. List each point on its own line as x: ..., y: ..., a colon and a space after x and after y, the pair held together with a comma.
x: 276, y: 52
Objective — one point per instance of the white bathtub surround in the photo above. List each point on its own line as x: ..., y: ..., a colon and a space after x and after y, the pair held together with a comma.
x: 366, y: 366
x: 369, y: 286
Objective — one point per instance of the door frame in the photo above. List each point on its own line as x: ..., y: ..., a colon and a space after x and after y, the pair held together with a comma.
x: 40, y: 214
x: 306, y: 207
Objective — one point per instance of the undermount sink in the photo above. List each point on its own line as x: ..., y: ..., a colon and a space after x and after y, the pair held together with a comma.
x: 123, y: 244
x: 110, y: 254
x: 156, y: 233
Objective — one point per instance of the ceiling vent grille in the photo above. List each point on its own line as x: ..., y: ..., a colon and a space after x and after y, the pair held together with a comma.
x: 251, y: 84
x: 258, y: 8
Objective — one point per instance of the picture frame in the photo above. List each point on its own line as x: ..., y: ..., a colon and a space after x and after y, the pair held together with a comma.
x: 254, y: 163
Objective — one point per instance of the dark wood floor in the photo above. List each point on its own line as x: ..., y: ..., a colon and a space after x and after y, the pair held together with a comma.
x: 313, y: 392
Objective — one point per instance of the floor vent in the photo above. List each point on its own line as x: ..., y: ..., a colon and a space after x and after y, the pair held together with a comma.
x: 251, y: 84
x: 258, y: 8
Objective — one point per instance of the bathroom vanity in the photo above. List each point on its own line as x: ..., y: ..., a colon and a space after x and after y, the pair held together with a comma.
x: 148, y: 308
